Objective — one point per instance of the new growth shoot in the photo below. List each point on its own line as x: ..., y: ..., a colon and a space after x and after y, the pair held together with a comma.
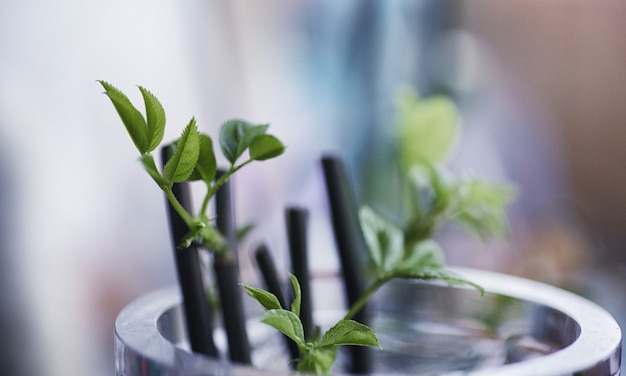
x: 192, y: 157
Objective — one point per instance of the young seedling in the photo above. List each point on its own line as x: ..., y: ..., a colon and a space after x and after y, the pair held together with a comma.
x: 435, y: 197
x: 317, y: 354
x: 192, y: 157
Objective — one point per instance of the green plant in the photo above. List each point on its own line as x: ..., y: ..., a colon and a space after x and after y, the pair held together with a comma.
x: 435, y: 197
x: 192, y: 157
x: 426, y: 132
x: 317, y: 354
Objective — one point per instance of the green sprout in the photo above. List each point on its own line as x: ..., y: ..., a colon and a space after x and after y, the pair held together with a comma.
x: 192, y: 157
x: 317, y: 354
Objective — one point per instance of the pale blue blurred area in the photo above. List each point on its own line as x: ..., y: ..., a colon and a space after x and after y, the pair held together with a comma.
x: 15, y: 319
x: 90, y: 232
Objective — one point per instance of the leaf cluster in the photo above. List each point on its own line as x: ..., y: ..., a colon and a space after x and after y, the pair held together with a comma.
x: 427, y: 130
x: 394, y: 255
x: 317, y: 354
x: 192, y: 156
x: 437, y: 197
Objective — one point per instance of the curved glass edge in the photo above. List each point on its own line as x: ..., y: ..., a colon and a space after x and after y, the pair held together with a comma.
x: 141, y: 349
x: 596, y: 351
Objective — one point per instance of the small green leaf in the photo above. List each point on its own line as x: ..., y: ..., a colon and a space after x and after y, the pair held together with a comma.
x: 265, y: 147
x: 427, y: 128
x: 156, y: 118
x: 297, y: 300
x: 250, y: 134
x: 131, y: 117
x: 148, y: 162
x: 206, y: 167
x: 438, y: 274
x: 349, y: 332
x: 385, y: 240
x: 182, y: 163
x: 425, y: 254
x: 285, y: 322
x: 265, y: 298
x: 232, y: 138
x: 481, y: 207
x: 243, y: 231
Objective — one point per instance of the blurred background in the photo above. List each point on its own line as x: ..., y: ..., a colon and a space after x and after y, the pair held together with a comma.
x: 541, y: 86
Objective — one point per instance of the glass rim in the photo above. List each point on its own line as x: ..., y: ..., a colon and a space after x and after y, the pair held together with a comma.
x: 597, y: 347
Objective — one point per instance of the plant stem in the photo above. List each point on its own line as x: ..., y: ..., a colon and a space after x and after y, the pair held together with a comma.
x: 356, y: 307
x: 212, y: 189
x: 189, y: 221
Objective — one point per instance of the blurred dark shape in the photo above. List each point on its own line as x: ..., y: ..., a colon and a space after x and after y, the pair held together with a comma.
x: 16, y: 352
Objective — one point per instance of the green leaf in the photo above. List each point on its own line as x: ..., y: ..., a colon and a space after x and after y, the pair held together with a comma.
x: 232, y: 138
x: 481, y: 207
x: 156, y: 119
x: 349, y: 332
x: 182, y: 163
x: 297, y: 300
x: 206, y: 167
x: 265, y: 147
x: 131, y: 118
x: 285, y: 322
x: 148, y: 162
x: 439, y: 274
x: 250, y: 134
x: 384, y: 240
x: 425, y: 254
x: 427, y: 128
x: 265, y: 298
x: 243, y: 231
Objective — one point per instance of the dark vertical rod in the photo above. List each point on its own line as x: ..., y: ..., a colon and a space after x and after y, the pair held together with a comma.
x: 227, y: 276
x: 196, y: 306
x: 225, y: 217
x: 268, y: 271
x: 271, y: 280
x: 350, y: 245
x: 296, y: 219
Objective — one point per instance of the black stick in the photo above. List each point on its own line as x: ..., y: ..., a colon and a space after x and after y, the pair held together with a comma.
x: 196, y: 305
x: 227, y: 276
x: 272, y: 284
x: 350, y: 245
x: 224, y: 217
x: 296, y: 219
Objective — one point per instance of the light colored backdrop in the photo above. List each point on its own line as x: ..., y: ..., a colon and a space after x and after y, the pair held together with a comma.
x: 539, y: 83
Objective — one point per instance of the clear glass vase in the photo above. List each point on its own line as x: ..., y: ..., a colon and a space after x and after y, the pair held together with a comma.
x: 519, y: 327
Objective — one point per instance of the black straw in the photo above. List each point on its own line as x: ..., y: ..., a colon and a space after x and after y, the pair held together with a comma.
x: 271, y: 280
x: 225, y: 218
x: 227, y: 276
x: 197, y: 308
x: 296, y: 219
x: 350, y: 245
